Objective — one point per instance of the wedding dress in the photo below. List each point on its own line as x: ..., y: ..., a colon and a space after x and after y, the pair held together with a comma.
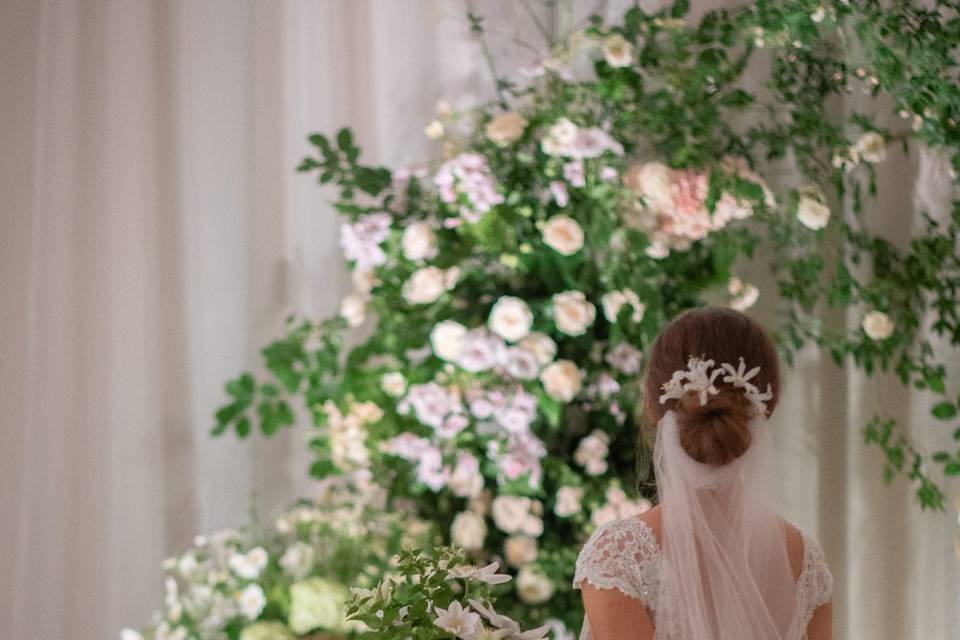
x: 721, y: 571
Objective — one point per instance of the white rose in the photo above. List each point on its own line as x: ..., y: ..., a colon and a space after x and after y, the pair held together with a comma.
x: 468, y: 531
x: 541, y: 346
x: 812, y: 213
x: 510, y: 318
x: 872, y: 147
x: 393, y: 383
x: 130, y: 634
x: 877, y: 325
x: 447, y: 338
x: 562, y: 380
x: 533, y: 586
x: 510, y: 513
x: 419, y: 242
x: 617, y: 51
x: 506, y: 128
x: 520, y: 550
x: 572, y: 312
x: 614, y: 301
x: 434, y: 130
x: 353, y: 309
x: 563, y: 234
x: 569, y: 501
x: 426, y: 285
x: 251, y: 601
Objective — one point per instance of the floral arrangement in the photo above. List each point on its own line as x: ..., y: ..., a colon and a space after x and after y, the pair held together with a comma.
x: 290, y: 582
x: 517, y: 281
x: 424, y: 598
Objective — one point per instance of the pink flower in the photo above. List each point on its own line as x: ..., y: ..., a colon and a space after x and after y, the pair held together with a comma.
x: 573, y: 173
x: 468, y: 174
x: 361, y: 240
x: 559, y: 192
x: 431, y: 403
x: 482, y: 350
x: 625, y: 358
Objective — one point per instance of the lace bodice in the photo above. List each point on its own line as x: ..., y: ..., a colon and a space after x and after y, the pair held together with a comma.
x: 625, y: 555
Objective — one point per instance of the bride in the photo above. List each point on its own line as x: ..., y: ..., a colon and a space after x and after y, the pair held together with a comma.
x: 713, y: 561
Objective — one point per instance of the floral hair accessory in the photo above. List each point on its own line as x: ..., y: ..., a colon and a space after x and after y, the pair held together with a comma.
x: 700, y: 376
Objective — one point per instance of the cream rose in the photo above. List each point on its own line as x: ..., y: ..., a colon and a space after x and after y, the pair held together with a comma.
x: 469, y: 531
x: 563, y: 235
x: 510, y: 513
x: 562, y: 380
x: 447, y: 339
x: 617, y: 51
x: 434, y: 130
x: 569, y: 501
x: 572, y: 312
x: 812, y: 213
x: 363, y: 281
x: 353, y: 309
x: 877, y: 325
x: 520, y: 550
x: 419, y: 242
x: 542, y: 346
x: 533, y: 586
x: 614, y: 301
x: 745, y: 295
x: 871, y: 147
x: 506, y: 128
x: 426, y: 285
x: 510, y: 318
x: 653, y: 181
x: 393, y: 383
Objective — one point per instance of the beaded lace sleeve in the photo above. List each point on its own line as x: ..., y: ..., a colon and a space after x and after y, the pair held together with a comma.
x: 622, y: 555
x: 816, y: 581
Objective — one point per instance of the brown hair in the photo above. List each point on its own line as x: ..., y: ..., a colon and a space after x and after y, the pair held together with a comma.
x: 715, y: 433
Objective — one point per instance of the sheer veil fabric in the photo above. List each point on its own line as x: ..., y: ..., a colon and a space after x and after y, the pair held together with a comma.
x: 726, y: 572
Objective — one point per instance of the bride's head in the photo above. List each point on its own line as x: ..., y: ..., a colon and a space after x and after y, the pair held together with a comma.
x: 716, y: 432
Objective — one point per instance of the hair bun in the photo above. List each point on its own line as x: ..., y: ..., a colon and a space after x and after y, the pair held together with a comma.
x: 716, y: 432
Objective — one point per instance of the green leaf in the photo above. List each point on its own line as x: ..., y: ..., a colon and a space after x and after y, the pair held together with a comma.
x: 944, y: 411
x: 345, y: 139
x: 243, y: 427
x: 952, y: 469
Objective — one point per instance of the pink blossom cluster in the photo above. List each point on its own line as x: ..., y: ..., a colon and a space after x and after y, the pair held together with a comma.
x: 361, y: 240
x: 437, y: 407
x: 430, y: 468
x: 673, y: 207
x: 482, y: 350
x: 517, y: 456
x: 468, y: 175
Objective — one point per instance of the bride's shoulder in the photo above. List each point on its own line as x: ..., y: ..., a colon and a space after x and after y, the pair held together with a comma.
x: 623, y: 554
x: 635, y: 534
x: 806, y: 555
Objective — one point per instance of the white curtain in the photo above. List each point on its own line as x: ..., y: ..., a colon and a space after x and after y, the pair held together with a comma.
x: 153, y: 236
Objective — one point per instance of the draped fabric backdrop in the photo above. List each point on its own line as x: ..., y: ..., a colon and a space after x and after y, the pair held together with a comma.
x: 153, y: 235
